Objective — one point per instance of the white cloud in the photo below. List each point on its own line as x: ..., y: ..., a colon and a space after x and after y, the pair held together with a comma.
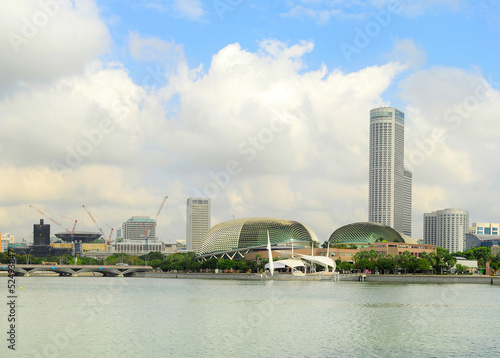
x: 322, y: 11
x: 321, y: 16
x: 259, y: 132
x: 414, y: 8
x: 45, y: 40
x: 154, y: 49
x: 407, y: 53
x: 451, y: 133
x: 190, y: 9
x: 256, y: 131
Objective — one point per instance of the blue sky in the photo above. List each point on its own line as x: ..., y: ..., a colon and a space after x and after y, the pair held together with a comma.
x: 115, y: 104
x: 451, y: 33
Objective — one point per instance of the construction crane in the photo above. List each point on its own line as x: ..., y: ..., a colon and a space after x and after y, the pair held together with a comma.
x: 72, y: 232
x: 100, y: 229
x: 146, y: 232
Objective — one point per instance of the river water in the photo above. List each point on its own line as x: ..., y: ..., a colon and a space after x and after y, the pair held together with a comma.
x: 151, y: 317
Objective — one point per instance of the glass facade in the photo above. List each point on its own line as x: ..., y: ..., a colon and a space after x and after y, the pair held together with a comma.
x: 390, y: 184
x: 252, y: 232
x: 364, y: 233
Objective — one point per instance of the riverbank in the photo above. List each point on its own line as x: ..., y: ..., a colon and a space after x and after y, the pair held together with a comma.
x: 478, y: 279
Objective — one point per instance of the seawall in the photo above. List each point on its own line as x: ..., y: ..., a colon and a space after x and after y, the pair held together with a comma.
x: 477, y: 279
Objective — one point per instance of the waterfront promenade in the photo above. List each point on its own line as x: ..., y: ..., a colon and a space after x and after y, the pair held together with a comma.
x: 408, y: 278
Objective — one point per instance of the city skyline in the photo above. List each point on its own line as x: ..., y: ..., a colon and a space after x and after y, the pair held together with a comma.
x: 260, y: 106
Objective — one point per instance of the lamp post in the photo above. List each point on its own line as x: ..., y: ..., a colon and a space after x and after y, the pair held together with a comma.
x: 29, y: 256
x: 23, y: 255
x: 146, y: 262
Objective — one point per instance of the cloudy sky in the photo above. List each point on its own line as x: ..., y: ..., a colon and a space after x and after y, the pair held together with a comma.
x: 261, y: 105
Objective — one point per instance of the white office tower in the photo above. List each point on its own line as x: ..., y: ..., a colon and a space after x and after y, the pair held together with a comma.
x: 430, y: 230
x: 446, y: 228
x: 198, y: 222
x: 390, y: 188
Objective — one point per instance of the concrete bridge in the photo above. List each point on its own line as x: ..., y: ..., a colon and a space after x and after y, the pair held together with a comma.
x: 75, y: 270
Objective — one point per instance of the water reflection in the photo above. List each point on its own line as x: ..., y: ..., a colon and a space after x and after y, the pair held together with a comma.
x: 144, y: 317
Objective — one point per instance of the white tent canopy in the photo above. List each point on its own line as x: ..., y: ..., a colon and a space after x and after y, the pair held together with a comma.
x: 288, y: 262
x: 321, y: 260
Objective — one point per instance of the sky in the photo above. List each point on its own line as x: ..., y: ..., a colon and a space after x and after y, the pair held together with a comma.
x: 263, y: 106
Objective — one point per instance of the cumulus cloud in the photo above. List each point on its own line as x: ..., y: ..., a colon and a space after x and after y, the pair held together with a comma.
x: 256, y: 131
x: 61, y: 35
x: 451, y: 129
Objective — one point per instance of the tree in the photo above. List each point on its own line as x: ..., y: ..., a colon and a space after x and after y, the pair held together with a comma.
x: 152, y: 255
x: 386, y: 263
x: 443, y: 261
x: 225, y: 264
x: 210, y: 264
x: 179, y: 261
x: 423, y: 265
x: 461, y: 268
x: 344, y: 266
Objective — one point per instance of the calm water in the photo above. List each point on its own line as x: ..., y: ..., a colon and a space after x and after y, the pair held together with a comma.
x: 143, y: 317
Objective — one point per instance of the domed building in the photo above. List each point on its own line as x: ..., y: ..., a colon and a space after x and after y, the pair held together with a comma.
x: 250, y: 233
x: 367, y: 233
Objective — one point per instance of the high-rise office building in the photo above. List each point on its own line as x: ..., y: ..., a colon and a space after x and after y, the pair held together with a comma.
x: 41, y: 234
x: 430, y: 232
x: 446, y: 228
x: 137, y: 227
x: 197, y: 222
x: 390, y: 184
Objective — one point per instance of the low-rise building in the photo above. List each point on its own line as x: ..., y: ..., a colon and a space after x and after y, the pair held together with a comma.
x: 398, y: 248
x: 471, y: 265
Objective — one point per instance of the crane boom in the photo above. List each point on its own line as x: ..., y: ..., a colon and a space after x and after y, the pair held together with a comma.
x: 156, y: 217
x: 55, y: 222
x: 100, y: 229
x: 93, y: 219
x: 74, y: 226
x: 146, y: 232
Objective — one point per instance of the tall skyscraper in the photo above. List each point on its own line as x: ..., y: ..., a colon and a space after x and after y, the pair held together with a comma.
x: 198, y: 222
x: 446, y: 228
x: 390, y: 184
